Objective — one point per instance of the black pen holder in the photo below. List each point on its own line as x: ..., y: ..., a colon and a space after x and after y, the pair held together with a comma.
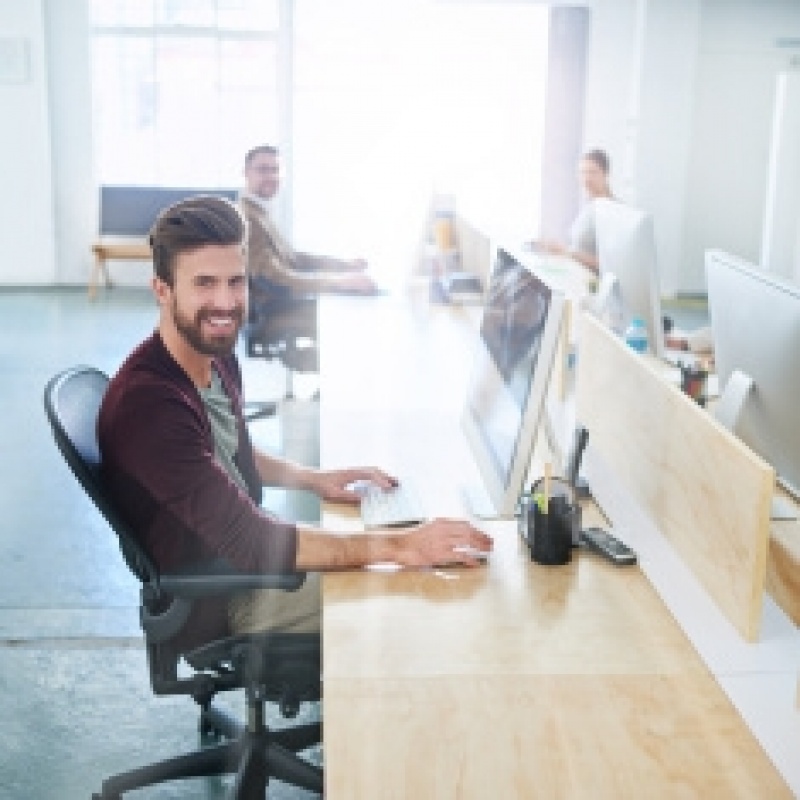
x: 694, y: 382
x: 550, y: 536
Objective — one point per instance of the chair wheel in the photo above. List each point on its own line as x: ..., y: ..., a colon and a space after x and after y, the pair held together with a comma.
x: 208, y: 733
x: 289, y: 706
x: 208, y: 738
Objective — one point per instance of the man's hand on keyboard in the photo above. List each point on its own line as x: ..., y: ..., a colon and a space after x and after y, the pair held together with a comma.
x: 341, y: 485
x: 441, y: 542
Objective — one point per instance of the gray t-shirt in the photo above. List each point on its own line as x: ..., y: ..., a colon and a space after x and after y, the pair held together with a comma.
x: 223, y: 427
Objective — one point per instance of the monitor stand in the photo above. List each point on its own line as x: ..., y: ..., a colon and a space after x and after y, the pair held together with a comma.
x: 607, y: 304
x: 552, y: 419
x: 728, y: 411
x: 479, y: 505
x: 476, y: 498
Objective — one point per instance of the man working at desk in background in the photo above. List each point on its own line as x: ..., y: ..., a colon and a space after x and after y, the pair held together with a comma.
x: 179, y: 461
x: 270, y: 258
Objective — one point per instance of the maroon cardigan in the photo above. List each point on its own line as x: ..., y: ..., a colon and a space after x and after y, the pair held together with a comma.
x: 158, y: 462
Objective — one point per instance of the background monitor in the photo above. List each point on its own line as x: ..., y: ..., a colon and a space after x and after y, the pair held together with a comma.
x: 755, y: 319
x: 626, y: 249
x: 132, y: 210
x: 520, y: 333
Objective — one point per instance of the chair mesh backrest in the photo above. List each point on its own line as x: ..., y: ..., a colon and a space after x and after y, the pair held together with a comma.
x: 72, y: 403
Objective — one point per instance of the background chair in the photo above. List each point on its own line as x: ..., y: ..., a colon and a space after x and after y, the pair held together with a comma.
x: 280, y: 326
x: 278, y: 667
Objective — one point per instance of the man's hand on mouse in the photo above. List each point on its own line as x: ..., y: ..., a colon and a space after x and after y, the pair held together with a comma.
x: 440, y: 542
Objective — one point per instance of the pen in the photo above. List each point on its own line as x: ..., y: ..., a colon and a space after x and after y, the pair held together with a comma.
x: 546, y: 500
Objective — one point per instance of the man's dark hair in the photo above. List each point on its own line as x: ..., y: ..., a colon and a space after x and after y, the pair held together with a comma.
x: 267, y: 149
x: 600, y: 157
x: 189, y: 225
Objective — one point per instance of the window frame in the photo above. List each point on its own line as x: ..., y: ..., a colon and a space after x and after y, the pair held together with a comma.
x: 280, y: 39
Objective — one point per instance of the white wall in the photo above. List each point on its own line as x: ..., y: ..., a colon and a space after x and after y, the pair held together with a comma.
x: 74, y: 195
x: 780, y: 236
x: 680, y: 92
x: 668, y: 59
x: 736, y: 78
x: 642, y: 57
x: 26, y: 202
x: 563, y: 121
x: 608, y: 84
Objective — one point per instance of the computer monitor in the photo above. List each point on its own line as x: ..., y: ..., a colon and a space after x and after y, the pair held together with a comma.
x: 626, y: 252
x: 755, y: 320
x: 520, y: 331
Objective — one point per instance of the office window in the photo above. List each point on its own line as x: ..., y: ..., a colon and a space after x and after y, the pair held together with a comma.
x: 395, y: 101
x: 182, y: 88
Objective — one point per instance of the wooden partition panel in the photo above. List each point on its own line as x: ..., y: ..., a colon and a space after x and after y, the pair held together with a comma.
x: 706, y: 491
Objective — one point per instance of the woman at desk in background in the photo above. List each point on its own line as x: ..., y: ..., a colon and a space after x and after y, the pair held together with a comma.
x: 582, y: 247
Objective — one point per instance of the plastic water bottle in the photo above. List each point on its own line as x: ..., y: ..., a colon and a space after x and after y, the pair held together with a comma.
x: 636, y: 335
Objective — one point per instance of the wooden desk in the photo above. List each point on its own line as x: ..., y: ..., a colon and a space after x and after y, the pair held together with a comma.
x: 508, y: 681
x: 114, y: 250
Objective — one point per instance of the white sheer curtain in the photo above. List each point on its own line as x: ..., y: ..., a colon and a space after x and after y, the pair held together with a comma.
x: 182, y: 88
x: 394, y: 101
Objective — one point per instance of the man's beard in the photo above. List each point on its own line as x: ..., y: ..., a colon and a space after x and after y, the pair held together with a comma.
x: 191, y: 330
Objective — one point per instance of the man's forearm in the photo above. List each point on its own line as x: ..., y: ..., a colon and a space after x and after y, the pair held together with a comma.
x: 295, y: 274
x: 323, y: 550
x: 280, y: 472
x: 308, y: 262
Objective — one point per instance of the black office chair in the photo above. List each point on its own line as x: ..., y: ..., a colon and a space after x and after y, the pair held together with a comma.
x: 280, y: 326
x: 277, y: 667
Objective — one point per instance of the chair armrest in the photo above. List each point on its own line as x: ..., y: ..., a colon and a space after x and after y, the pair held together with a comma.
x: 192, y: 587
x: 163, y: 625
x: 217, y: 579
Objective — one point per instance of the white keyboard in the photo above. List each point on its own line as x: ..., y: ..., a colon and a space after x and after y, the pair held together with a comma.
x: 395, y: 507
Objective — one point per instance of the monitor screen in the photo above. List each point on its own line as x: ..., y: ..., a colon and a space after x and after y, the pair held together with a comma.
x: 132, y: 210
x: 626, y: 249
x: 519, y: 338
x: 755, y: 319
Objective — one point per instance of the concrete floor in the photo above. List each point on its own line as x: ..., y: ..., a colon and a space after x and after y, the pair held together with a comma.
x: 75, y: 702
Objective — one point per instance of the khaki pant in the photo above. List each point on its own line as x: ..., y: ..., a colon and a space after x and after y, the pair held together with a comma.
x: 275, y: 610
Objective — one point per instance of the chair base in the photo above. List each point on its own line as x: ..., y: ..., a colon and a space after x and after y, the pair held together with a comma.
x: 255, y: 754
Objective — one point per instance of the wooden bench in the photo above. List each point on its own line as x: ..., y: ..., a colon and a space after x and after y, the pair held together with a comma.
x: 114, y: 251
